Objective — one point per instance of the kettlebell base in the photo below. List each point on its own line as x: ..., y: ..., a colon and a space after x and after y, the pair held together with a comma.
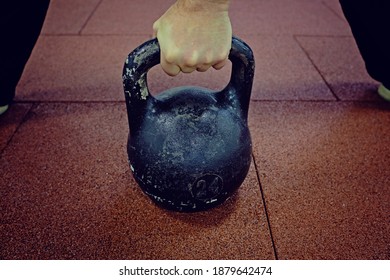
x: 185, y: 200
x: 189, y: 207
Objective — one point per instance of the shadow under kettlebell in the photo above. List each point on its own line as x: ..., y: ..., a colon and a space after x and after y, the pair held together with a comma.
x: 189, y: 148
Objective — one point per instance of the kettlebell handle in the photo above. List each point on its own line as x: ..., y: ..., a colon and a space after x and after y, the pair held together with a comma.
x: 147, y: 55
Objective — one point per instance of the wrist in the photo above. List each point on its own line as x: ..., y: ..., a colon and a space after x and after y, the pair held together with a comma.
x: 204, y: 5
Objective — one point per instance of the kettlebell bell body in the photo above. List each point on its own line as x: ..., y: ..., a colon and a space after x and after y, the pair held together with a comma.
x: 189, y: 148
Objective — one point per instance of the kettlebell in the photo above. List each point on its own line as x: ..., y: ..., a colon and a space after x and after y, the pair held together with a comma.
x: 189, y: 148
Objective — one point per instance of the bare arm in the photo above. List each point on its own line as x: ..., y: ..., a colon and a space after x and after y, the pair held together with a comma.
x: 194, y: 35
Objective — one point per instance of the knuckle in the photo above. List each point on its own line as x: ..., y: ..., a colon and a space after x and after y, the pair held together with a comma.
x: 170, y: 57
x: 190, y: 60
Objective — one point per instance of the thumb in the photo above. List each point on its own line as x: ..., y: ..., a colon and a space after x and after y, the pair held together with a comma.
x: 155, y: 28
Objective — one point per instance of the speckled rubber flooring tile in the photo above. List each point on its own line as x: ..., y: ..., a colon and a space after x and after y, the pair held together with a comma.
x: 318, y: 187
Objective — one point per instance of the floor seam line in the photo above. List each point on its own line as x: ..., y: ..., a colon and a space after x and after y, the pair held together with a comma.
x: 17, y: 129
x: 332, y: 10
x: 315, y: 67
x: 89, y: 17
x: 265, y: 208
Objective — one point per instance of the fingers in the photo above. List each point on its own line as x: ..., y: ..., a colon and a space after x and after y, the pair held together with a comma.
x: 174, y: 63
x: 173, y: 69
x: 220, y: 65
x: 203, y: 68
x: 170, y: 69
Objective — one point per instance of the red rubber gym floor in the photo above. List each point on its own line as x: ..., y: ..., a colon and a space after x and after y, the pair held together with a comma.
x: 319, y: 183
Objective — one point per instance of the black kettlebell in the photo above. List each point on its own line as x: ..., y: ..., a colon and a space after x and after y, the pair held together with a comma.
x: 189, y: 148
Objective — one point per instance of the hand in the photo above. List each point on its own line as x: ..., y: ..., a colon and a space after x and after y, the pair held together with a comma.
x: 194, y: 35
